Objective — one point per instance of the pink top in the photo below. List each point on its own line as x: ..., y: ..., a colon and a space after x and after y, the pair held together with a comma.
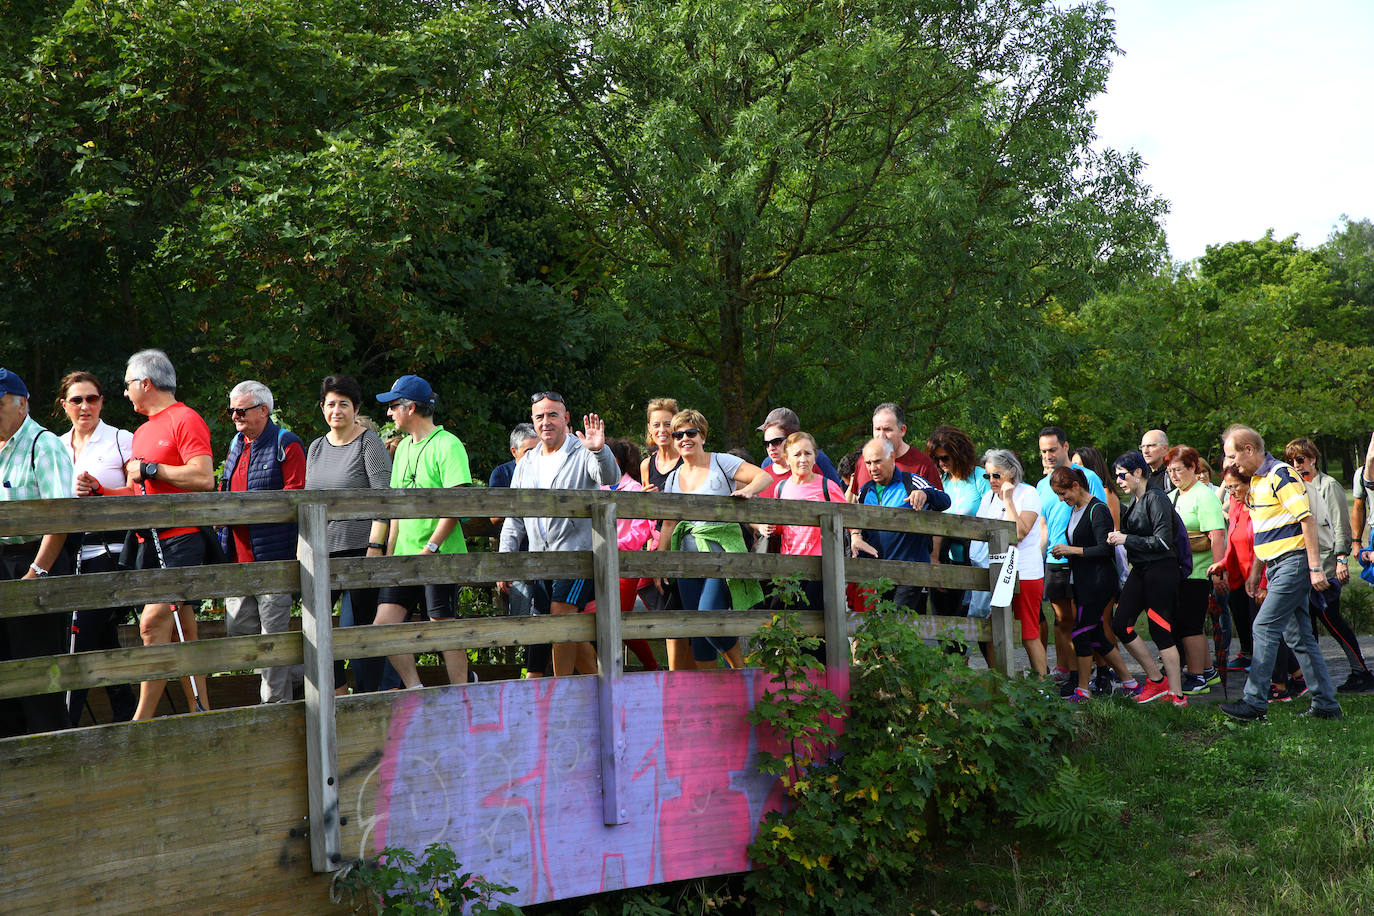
x: 804, y: 540
x: 633, y: 533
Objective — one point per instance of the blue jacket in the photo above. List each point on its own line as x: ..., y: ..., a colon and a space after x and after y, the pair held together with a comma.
x: 276, y: 541
x: 901, y: 545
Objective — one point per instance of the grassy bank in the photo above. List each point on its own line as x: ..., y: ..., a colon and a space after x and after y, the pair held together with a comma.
x: 1186, y: 812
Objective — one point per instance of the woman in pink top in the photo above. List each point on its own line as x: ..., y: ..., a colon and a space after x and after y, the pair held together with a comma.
x: 631, y: 534
x: 804, y: 483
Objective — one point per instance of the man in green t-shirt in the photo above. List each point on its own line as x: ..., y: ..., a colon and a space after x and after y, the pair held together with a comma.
x: 428, y: 456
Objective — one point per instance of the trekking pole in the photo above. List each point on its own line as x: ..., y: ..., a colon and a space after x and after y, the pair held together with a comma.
x: 71, y: 649
x: 181, y: 635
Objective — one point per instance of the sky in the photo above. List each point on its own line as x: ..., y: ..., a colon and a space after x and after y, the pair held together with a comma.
x: 1249, y: 115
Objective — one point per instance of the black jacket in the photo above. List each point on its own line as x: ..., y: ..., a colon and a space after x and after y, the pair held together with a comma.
x: 1094, y: 573
x: 1149, y: 527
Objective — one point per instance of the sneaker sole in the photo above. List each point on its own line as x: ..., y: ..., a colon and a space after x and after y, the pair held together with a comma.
x: 1158, y: 696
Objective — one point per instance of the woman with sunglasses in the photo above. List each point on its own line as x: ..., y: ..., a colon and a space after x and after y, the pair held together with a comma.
x: 966, y: 484
x: 1092, y: 567
x: 704, y: 473
x: 1148, y: 537
x: 1010, y: 498
x: 100, y: 451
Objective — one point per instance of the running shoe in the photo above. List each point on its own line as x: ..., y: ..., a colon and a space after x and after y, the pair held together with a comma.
x: 1240, y: 663
x: 1212, y: 676
x: 1242, y: 711
x: 1079, y: 695
x: 1194, y: 684
x: 1130, y: 692
x: 1067, y: 688
x: 1179, y: 700
x: 1102, y: 686
x: 1063, y: 675
x: 1279, y: 694
x: 1152, y: 691
x: 1358, y: 682
x: 1297, y: 687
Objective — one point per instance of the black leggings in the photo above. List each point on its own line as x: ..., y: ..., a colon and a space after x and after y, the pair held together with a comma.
x: 1087, y: 628
x: 1192, y: 607
x: 1242, y: 616
x: 1151, y: 587
x: 1326, y: 607
x: 98, y: 628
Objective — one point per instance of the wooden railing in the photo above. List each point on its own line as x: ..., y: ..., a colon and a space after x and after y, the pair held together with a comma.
x: 313, y: 574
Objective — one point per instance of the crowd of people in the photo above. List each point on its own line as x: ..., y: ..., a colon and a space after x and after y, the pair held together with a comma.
x: 1151, y: 535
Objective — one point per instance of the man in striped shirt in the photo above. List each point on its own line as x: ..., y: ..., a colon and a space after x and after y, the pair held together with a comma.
x: 1287, y: 551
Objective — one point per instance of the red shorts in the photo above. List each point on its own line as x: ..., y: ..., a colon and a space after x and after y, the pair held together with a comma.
x: 1026, y: 606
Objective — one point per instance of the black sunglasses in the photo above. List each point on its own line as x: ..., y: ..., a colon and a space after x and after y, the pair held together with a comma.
x: 239, y: 412
x: 546, y: 396
x: 78, y: 400
x: 681, y: 433
x: 774, y: 443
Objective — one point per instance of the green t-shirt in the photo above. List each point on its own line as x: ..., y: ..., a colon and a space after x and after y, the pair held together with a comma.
x: 437, y: 460
x: 1201, y: 511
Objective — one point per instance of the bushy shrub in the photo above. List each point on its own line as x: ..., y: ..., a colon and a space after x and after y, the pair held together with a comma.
x: 930, y: 748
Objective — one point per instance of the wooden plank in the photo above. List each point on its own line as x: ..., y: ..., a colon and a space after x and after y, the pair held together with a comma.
x: 318, y: 652
x: 610, y: 654
x: 836, y: 608
x: 931, y: 575
x: 26, y: 597
x: 1003, y: 647
x: 30, y: 517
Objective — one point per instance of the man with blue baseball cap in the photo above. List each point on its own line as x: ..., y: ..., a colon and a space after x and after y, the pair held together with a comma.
x: 33, y: 465
x: 428, y: 456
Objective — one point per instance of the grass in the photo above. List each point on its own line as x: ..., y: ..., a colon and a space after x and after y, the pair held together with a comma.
x: 1210, y: 817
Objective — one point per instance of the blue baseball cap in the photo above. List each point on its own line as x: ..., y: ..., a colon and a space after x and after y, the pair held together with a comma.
x: 410, y: 387
x: 12, y: 384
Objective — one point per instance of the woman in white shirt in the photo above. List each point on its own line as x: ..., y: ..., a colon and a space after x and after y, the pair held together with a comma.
x: 100, y: 450
x: 1014, y: 500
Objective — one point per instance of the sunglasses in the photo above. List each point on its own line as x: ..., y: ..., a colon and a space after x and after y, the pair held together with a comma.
x: 774, y: 443
x: 546, y: 396
x: 78, y: 400
x: 238, y: 413
x: 1122, y: 475
x: 940, y: 459
x: 683, y: 433
x: 995, y: 477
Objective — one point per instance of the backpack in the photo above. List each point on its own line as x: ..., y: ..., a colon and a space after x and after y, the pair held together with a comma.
x: 1181, y: 545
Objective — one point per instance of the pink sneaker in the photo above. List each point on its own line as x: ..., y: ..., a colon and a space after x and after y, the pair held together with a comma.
x: 1153, y: 690
x: 1179, y: 700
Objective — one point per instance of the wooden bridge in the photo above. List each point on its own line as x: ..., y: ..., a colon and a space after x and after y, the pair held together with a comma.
x: 557, y: 786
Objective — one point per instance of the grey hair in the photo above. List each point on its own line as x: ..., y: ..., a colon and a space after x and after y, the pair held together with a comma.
x: 888, y: 448
x: 155, y: 367
x: 1006, y: 460
x: 255, y: 390
x: 893, y: 408
x: 520, y: 433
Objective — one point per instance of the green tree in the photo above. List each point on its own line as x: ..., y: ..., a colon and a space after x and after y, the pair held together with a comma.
x: 827, y: 203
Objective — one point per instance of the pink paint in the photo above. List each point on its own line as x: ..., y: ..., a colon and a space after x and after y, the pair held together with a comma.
x: 515, y: 787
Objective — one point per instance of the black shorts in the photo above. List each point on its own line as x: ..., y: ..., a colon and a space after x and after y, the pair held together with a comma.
x: 440, y: 602
x: 1057, y: 587
x: 177, y: 552
x: 577, y: 592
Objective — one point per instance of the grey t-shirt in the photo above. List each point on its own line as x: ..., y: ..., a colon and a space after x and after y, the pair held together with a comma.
x: 360, y: 465
x: 720, y: 480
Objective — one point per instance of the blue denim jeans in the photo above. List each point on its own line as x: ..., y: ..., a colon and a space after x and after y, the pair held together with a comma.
x: 1284, y: 614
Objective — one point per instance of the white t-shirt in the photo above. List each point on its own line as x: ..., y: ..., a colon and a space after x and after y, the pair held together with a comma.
x: 1030, y: 560
x: 103, y: 457
x: 720, y: 479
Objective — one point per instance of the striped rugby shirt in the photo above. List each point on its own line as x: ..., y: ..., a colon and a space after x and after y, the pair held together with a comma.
x: 1278, y: 504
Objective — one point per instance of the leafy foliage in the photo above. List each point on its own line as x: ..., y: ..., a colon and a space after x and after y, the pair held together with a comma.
x: 398, y: 883
x: 1077, y: 810
x: 930, y: 748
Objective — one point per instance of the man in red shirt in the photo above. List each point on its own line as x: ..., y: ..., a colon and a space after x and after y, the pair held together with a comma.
x: 889, y: 422
x: 171, y: 455
x: 262, y: 456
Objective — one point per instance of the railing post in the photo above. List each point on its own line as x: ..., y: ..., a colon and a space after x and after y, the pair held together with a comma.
x: 832, y: 582
x: 611, y: 658
x: 1003, y: 650
x: 312, y: 551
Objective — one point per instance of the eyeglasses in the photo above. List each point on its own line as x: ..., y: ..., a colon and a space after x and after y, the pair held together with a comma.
x: 130, y: 382
x: 940, y: 459
x: 774, y: 443
x: 238, y: 413
x: 546, y: 396
x: 78, y: 400
x: 1301, y: 459
x: 1145, y: 445
x: 683, y: 433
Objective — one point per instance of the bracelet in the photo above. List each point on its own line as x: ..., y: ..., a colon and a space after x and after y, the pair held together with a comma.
x: 1315, y: 569
x: 373, y: 545
x: 38, y: 570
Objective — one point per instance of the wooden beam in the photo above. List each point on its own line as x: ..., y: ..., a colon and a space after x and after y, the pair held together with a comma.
x: 610, y: 653
x: 836, y: 607
x: 1003, y: 647
x: 321, y: 745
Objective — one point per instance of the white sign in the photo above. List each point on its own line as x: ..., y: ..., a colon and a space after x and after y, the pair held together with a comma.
x: 1006, y: 582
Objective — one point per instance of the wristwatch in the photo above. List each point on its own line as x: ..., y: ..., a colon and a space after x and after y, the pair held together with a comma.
x: 38, y: 571
x: 431, y: 547
x: 148, y: 469
x: 1344, y: 561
